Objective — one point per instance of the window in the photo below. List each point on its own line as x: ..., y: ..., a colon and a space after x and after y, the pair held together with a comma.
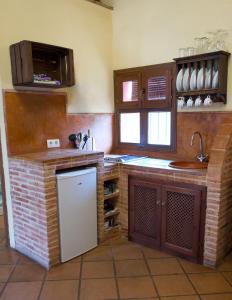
x: 130, y: 127
x: 130, y: 91
x: 145, y: 112
x: 159, y: 128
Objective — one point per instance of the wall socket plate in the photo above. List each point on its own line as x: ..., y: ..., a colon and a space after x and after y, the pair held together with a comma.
x: 54, y: 143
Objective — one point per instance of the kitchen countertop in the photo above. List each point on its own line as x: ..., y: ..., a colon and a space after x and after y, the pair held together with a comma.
x: 59, y: 154
x: 162, y: 164
x: 51, y: 155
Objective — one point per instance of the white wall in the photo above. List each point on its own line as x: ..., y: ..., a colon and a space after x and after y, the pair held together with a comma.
x: 151, y: 31
x: 77, y: 24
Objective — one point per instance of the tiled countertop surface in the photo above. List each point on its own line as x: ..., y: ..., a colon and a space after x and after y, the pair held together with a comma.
x: 51, y: 155
x: 58, y: 154
x: 162, y: 164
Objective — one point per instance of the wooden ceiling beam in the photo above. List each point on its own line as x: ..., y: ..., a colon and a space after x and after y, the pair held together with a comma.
x: 98, y: 2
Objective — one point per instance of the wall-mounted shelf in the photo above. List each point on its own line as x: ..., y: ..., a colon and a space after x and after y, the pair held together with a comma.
x: 40, y: 65
x: 202, y: 75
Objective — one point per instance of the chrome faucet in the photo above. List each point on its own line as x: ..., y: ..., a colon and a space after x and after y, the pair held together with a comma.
x: 202, y: 157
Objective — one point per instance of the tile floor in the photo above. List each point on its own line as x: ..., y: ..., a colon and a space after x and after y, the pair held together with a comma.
x: 117, y: 270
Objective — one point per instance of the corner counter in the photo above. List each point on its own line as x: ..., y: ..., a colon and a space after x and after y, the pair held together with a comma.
x: 157, y: 169
x: 34, y: 199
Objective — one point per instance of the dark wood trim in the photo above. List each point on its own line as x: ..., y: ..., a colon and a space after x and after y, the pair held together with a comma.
x: 119, y: 78
x: 199, y: 193
x: 144, y: 107
x: 142, y: 68
x: 97, y: 2
x: 196, y: 226
x: 132, y: 234
x: 202, y: 56
x: 218, y: 94
x: 28, y: 58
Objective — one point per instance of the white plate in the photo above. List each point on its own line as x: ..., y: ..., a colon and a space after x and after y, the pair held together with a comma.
x: 208, y: 79
x: 193, y: 80
x: 179, y: 80
x: 186, y: 80
x: 215, y: 80
x: 200, y: 79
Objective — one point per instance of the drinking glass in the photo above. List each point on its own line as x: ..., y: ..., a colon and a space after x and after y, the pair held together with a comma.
x: 191, y: 51
x: 183, y: 52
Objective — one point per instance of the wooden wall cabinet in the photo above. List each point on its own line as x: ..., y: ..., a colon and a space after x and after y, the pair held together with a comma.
x: 168, y: 216
x: 144, y: 87
x: 41, y: 65
x: 203, y: 74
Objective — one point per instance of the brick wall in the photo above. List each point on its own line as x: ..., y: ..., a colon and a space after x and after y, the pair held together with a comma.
x: 218, y: 229
x: 34, y: 201
x: 110, y: 171
x: 33, y: 188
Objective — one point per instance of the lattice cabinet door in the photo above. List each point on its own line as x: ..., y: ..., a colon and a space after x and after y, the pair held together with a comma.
x: 144, y: 212
x: 181, y: 220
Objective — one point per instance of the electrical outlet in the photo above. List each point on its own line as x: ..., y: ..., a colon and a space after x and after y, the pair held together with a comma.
x: 55, y: 143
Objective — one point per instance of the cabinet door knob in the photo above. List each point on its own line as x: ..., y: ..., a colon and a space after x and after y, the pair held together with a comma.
x: 158, y: 202
x: 163, y: 203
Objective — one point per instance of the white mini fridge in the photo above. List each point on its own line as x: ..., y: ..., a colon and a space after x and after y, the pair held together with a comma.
x: 77, y: 205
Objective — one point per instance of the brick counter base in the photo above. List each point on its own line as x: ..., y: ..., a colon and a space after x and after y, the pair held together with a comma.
x: 34, y: 203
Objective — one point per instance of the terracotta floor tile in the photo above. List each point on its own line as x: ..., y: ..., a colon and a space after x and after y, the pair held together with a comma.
x: 60, y: 290
x: 217, y: 297
x: 173, y: 285
x: 94, y: 269
x: 181, y: 298
x: 228, y: 276
x: 24, y: 260
x: 190, y: 267
x: 209, y: 283
x: 226, y: 265
x: 137, y: 287
x: 8, y: 257
x: 164, y: 266
x: 96, y: 289
x: 127, y: 268
x: 144, y: 298
x: 5, y: 272
x: 64, y: 271
x: 120, y: 241
x: 3, y: 245
x: 21, y: 291
x: 152, y: 253
x: 127, y: 252
x: 100, y: 253
x: 75, y: 260
x: 2, y: 284
x: 31, y: 272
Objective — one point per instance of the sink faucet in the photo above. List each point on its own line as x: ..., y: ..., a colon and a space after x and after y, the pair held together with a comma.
x: 202, y: 157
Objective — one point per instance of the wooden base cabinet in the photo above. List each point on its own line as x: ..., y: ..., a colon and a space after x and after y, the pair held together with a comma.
x: 167, y: 216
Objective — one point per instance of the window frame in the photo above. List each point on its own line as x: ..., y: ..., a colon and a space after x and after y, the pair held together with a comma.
x: 144, y: 109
